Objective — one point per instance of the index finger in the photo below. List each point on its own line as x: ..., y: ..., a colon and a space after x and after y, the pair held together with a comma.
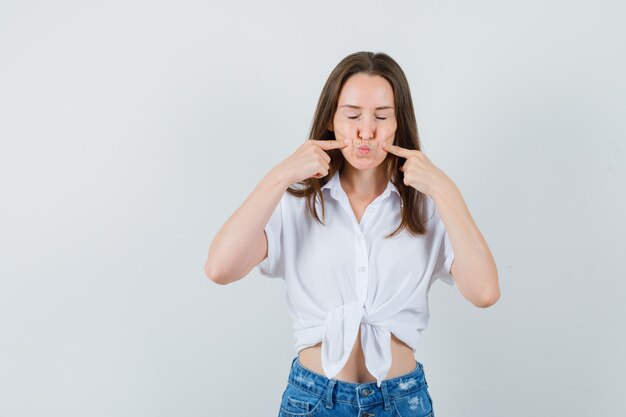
x: 329, y: 143
x: 397, y: 150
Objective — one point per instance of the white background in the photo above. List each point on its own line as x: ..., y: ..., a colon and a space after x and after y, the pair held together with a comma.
x: 131, y: 130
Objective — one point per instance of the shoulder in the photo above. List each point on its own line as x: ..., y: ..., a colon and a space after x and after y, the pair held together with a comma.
x: 434, y: 224
x: 294, y: 203
x: 430, y: 208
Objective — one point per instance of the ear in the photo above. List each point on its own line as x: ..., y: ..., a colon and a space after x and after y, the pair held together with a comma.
x: 330, y: 126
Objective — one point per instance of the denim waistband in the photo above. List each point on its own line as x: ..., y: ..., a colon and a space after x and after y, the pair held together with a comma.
x: 361, y: 394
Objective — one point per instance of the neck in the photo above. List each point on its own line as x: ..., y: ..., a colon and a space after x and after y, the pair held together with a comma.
x: 363, y: 182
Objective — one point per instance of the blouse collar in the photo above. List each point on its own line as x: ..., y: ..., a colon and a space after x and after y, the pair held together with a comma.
x: 336, y: 190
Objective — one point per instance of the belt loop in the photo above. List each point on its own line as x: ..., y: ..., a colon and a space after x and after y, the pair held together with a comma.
x: 329, y: 393
x: 386, y: 399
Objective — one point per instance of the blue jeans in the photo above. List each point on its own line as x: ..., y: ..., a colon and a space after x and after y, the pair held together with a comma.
x: 311, y: 394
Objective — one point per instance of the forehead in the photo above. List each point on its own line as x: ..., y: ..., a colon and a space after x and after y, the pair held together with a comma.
x: 366, y: 90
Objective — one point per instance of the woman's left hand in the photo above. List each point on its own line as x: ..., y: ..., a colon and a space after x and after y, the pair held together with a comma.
x: 419, y: 172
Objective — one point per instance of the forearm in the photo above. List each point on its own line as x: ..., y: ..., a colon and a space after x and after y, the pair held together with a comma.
x: 233, y: 249
x: 474, y: 269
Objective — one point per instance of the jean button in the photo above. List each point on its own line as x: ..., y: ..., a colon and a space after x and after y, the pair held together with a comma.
x: 366, y: 392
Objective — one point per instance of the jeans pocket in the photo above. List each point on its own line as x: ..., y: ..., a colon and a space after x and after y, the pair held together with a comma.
x: 297, y: 402
x: 415, y: 404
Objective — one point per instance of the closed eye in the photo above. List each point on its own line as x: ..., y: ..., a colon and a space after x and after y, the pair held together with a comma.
x: 354, y: 117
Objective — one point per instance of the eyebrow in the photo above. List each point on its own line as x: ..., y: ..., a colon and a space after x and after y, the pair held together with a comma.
x: 359, y: 108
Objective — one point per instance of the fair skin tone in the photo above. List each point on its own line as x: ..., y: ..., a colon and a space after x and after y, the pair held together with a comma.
x: 365, y: 116
x: 362, y: 118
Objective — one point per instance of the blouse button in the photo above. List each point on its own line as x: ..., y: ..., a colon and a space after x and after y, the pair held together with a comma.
x: 361, y: 268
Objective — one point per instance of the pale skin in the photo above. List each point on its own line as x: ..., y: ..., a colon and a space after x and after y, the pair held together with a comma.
x: 365, y: 115
x: 363, y: 179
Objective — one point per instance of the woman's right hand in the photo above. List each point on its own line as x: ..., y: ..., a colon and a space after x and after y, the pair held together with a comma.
x: 310, y: 160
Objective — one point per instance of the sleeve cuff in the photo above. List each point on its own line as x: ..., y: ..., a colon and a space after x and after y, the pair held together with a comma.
x: 267, y: 267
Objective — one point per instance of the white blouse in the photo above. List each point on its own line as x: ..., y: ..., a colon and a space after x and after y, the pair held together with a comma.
x: 346, y: 275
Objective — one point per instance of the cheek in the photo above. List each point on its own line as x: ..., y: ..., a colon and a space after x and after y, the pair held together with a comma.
x: 341, y: 129
x: 387, y: 131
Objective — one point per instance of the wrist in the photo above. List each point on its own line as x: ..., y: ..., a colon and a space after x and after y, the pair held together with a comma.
x: 278, y: 176
x: 444, y: 186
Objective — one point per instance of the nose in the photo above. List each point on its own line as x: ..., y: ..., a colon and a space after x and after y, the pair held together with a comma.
x: 366, y: 132
x: 366, y: 137
x: 366, y: 128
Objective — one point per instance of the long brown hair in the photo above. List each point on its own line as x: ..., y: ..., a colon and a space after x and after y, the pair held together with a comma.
x: 413, y: 202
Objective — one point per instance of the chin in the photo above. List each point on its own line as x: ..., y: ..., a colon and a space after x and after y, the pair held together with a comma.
x: 363, y: 164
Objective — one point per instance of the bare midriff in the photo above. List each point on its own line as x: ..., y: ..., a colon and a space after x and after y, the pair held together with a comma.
x: 402, y: 362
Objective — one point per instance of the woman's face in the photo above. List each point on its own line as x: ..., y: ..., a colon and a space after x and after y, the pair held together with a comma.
x: 364, y: 118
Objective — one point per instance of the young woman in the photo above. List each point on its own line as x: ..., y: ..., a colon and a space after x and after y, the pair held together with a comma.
x: 357, y: 279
